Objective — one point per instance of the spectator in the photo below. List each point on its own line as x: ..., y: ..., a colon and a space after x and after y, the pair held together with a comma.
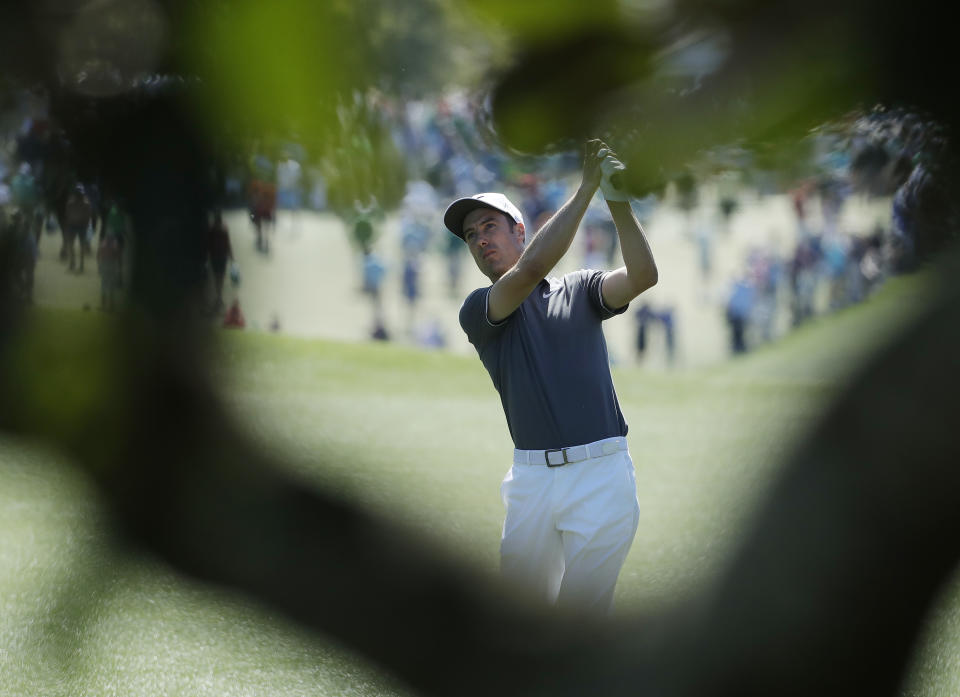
x: 764, y: 271
x: 109, y: 262
x: 800, y: 198
x: 643, y: 316
x: 234, y: 319
x: 219, y: 253
x: 836, y: 248
x: 703, y: 232
x: 78, y: 225
x: 415, y: 239
x: 666, y: 319
x: 646, y: 317
x: 872, y: 264
x: 804, y: 278
x: 411, y: 286
x: 361, y: 224
x: 453, y: 251
x: 25, y: 194
x: 289, y: 184
x: 374, y: 271
x: 739, y: 308
x: 262, y: 203
x: 17, y: 233
x: 533, y: 203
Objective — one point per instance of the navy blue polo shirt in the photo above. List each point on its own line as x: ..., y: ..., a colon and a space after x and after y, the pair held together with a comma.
x: 549, y: 362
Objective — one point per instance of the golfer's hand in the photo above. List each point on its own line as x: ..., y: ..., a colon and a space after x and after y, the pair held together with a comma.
x: 592, y: 160
x: 611, y: 180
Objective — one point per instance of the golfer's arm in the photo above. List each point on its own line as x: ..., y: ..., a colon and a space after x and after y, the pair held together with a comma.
x: 540, y: 255
x: 639, y: 271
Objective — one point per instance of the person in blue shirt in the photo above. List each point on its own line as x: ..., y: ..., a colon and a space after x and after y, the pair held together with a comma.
x: 570, y: 497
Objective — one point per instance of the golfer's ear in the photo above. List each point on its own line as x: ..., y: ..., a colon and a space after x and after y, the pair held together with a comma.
x: 520, y: 231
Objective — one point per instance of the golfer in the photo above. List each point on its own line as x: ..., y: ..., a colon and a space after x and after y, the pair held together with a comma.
x: 570, y: 497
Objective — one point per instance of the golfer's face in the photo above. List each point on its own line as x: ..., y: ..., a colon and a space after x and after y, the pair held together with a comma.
x: 494, y: 240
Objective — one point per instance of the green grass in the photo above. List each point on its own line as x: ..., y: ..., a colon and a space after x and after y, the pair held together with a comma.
x: 419, y: 436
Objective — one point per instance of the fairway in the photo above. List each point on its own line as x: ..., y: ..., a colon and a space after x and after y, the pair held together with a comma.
x: 419, y: 436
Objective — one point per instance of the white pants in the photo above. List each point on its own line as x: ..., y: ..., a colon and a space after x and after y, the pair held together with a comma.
x: 568, y: 529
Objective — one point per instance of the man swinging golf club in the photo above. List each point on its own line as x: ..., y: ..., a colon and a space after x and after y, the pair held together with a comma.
x: 570, y: 496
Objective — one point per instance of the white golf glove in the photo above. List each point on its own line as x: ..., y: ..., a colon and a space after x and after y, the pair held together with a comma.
x: 612, y: 170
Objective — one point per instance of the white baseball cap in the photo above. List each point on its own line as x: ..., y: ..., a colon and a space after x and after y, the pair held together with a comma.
x: 457, y: 211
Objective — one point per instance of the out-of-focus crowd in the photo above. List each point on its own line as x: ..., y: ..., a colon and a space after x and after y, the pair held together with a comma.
x: 432, y: 151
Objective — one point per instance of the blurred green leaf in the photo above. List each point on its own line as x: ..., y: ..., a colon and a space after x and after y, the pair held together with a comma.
x: 273, y: 65
x: 64, y: 375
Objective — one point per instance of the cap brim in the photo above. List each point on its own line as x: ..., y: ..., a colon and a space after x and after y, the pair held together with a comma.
x: 458, y: 210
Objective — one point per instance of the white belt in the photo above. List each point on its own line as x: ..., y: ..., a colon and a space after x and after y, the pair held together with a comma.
x: 575, y: 453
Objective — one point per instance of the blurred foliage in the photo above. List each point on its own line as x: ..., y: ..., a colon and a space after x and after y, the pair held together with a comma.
x: 104, y: 45
x: 64, y: 380
x: 364, y: 165
x: 666, y: 82
x: 290, y: 63
x: 664, y: 96
x: 669, y: 86
x: 310, y: 71
x: 292, y: 71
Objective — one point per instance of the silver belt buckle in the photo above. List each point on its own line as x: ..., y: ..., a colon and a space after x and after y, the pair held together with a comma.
x: 562, y: 451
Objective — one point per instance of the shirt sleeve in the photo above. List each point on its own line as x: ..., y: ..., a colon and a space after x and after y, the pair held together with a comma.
x: 593, y: 283
x: 474, y: 321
